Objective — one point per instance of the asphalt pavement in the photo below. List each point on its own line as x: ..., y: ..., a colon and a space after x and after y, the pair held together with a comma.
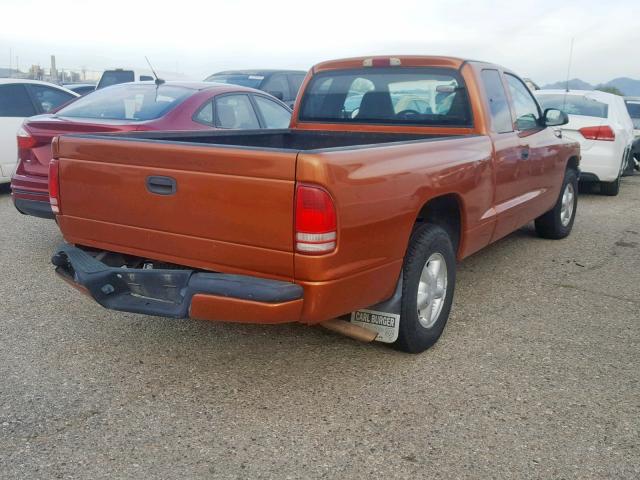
x: 536, y: 376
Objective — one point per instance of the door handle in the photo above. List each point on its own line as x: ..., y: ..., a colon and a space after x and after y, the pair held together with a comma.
x: 524, y: 153
x: 161, y: 185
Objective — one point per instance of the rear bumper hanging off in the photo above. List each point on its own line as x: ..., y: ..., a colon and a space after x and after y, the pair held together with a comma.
x: 180, y: 293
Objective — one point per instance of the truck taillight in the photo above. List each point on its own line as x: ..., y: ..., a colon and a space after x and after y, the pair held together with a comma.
x: 54, y: 186
x: 315, y: 221
x: 602, y: 132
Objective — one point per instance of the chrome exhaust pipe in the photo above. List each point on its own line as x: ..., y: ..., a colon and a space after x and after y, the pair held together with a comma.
x: 350, y: 330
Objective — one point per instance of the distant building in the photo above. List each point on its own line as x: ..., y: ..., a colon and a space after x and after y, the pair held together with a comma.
x: 36, y: 72
x: 53, y: 71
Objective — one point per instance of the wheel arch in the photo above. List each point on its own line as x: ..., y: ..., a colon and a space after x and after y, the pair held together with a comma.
x: 574, y: 163
x: 446, y: 211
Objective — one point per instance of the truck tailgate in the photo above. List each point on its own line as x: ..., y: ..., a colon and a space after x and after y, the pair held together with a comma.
x: 231, y: 211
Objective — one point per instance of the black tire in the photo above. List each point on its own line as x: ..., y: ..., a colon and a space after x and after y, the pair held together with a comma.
x: 427, y: 240
x: 551, y: 225
x: 610, y: 189
x: 629, y: 164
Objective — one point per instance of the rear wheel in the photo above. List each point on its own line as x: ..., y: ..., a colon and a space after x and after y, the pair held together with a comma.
x: 428, y: 276
x: 558, y: 222
x: 629, y: 165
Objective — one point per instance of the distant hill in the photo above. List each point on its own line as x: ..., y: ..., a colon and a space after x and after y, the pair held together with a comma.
x: 628, y: 86
x: 574, y: 84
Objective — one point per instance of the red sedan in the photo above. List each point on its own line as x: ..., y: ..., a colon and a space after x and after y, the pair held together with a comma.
x: 135, y: 106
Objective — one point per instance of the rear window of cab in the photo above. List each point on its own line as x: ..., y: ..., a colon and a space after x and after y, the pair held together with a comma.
x: 389, y: 96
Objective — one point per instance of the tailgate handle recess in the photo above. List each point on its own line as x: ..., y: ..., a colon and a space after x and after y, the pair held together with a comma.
x: 162, y: 185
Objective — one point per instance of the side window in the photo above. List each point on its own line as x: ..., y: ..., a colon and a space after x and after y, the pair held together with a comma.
x: 205, y: 114
x: 273, y: 114
x: 235, y: 111
x: 527, y: 113
x: 15, y: 102
x: 48, y: 98
x: 277, y: 86
x: 296, y: 80
x: 498, y: 103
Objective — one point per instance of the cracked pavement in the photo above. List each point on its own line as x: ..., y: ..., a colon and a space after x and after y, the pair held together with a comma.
x: 536, y: 376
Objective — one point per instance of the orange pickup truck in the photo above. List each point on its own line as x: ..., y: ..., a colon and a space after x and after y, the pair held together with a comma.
x: 393, y: 168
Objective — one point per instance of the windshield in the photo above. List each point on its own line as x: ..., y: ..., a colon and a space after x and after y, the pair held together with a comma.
x: 634, y: 110
x: 244, y: 80
x: 574, y: 105
x: 130, y: 101
x: 406, y: 96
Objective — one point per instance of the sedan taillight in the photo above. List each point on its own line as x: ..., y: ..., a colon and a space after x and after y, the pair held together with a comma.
x: 26, y: 142
x: 25, y: 139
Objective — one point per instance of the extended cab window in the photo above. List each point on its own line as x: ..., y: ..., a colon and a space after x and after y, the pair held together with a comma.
x: 393, y: 96
x: 498, y: 103
x: 527, y: 112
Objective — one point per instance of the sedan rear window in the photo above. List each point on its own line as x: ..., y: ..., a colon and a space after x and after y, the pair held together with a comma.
x: 574, y: 105
x: 396, y: 96
x: 136, y: 102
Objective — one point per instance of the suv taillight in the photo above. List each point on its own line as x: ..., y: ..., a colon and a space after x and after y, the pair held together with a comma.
x: 54, y: 186
x: 602, y: 132
x: 315, y: 221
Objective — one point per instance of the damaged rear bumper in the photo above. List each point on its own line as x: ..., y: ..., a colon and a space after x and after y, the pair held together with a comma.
x: 180, y: 293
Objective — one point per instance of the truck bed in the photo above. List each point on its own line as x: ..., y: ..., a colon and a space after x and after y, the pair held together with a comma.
x: 232, y: 206
x: 288, y: 140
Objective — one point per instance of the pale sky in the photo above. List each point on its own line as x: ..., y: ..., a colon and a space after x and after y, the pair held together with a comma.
x: 197, y: 38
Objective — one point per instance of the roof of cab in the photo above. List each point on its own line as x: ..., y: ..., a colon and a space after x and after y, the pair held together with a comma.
x: 405, y: 61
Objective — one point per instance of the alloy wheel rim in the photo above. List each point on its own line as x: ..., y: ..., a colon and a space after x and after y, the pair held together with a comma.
x: 568, y: 200
x: 432, y: 290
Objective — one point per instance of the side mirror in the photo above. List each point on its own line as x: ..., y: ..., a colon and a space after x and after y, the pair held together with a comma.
x: 146, y: 78
x: 554, y: 118
x: 278, y: 95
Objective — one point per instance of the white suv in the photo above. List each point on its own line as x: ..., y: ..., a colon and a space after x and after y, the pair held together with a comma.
x: 600, y: 122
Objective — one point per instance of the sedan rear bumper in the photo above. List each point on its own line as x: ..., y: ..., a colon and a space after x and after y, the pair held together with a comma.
x: 180, y: 293
x: 31, y: 195
x: 33, y: 208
